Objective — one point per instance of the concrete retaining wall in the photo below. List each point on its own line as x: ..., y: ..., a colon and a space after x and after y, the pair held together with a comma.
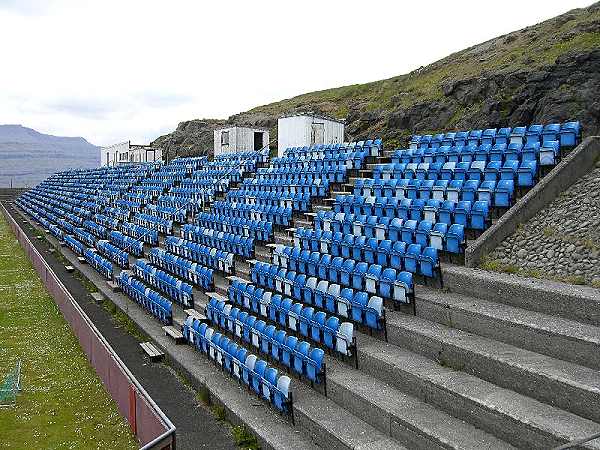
x: 576, y: 164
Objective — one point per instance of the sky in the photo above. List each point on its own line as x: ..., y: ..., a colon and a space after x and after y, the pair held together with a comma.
x: 112, y: 71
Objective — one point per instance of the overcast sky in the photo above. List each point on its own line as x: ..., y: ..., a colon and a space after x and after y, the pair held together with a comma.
x: 116, y: 70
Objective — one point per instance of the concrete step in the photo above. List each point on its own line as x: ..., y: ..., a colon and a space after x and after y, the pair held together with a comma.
x: 414, y: 423
x: 550, y: 335
x: 566, y: 385
x: 512, y: 417
x: 303, y: 223
x: 579, y: 303
x: 283, y: 238
x: 348, y: 188
x: 334, y: 427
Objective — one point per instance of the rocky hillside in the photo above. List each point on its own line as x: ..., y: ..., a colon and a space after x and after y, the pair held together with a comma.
x: 543, y: 73
x: 27, y: 157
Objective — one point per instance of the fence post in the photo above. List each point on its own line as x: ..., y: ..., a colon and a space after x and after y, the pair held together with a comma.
x: 132, y: 409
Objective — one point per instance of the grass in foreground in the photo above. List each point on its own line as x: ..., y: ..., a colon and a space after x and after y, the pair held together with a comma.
x: 63, y: 403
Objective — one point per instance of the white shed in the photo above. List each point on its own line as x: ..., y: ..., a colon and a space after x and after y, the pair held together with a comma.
x: 240, y: 139
x: 126, y: 152
x: 306, y: 130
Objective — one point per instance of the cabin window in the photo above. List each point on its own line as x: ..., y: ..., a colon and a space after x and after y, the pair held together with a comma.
x: 225, y: 138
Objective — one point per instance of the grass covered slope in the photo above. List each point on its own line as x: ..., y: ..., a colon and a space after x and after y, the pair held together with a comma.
x: 543, y: 73
x: 63, y: 403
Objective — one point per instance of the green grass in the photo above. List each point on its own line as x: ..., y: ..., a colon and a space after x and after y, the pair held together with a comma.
x: 244, y: 439
x: 63, y: 403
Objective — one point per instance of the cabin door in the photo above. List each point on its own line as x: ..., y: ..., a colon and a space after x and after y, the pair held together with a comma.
x: 317, y: 135
x: 258, y: 141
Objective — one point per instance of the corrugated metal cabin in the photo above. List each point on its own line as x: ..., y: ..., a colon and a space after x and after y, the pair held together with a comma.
x: 126, y: 152
x: 306, y: 130
x: 240, y: 139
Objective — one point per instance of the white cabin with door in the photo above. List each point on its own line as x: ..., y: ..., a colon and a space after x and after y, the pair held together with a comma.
x: 306, y: 130
x: 240, y: 139
x: 126, y: 153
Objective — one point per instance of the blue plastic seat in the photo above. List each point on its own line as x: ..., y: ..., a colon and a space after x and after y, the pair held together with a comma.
x: 570, y: 134
x: 479, y: 215
x: 526, y: 174
x: 504, y: 193
x: 549, y: 153
x: 437, y: 236
x: 370, y: 279
x: 462, y: 213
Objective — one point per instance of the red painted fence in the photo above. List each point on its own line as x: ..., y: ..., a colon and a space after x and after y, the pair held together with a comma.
x: 152, y: 427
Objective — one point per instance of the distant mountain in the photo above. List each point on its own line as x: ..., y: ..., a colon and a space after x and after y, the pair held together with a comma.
x: 28, y: 157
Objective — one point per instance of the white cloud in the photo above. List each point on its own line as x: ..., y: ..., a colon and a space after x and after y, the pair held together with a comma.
x: 114, y: 70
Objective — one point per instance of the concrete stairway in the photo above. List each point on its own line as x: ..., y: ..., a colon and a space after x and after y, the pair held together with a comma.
x: 490, y: 362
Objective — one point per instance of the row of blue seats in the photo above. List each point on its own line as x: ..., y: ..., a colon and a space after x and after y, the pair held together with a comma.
x: 158, y: 223
x: 245, y: 155
x: 74, y: 245
x: 568, y: 133
x: 470, y: 214
x: 152, y: 301
x: 74, y: 219
x: 119, y: 213
x: 127, y: 243
x: 106, y: 222
x: 355, y: 272
x: 181, y: 202
x: 115, y: 254
x: 205, y: 255
x: 352, y: 160
x: 97, y: 230
x: 236, y: 361
x: 286, y: 199
x: 234, y: 174
x: 152, y: 191
x: 56, y: 232
x: 85, y: 213
x: 191, y: 271
x: 364, y: 236
x: 356, y: 306
x: 168, y: 213
x: 476, y: 170
x: 545, y: 154
x: 175, y: 288
x: 101, y: 264
x: 220, y: 240
x: 86, y: 237
x: 372, y: 146
x: 275, y: 214
x: 396, y: 190
x: 147, y: 235
x: 65, y: 225
x: 197, y: 196
x: 194, y: 162
x: 298, y: 318
x: 260, y: 230
x: 276, y: 344
x: 332, y: 175
x: 295, y: 184
x: 128, y: 205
